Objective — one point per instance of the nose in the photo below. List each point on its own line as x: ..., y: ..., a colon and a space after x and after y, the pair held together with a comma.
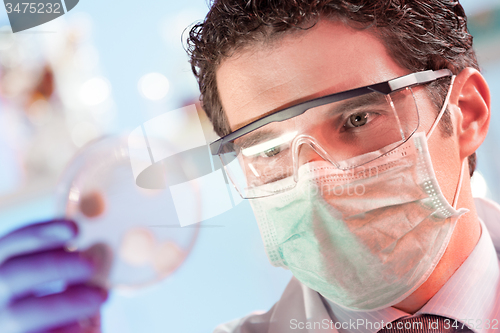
x: 307, y: 154
x: 308, y: 150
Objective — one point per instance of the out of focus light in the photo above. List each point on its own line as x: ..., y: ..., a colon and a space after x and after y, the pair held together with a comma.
x: 6, y: 37
x: 137, y: 247
x: 168, y: 256
x: 153, y: 86
x: 40, y: 112
x: 478, y: 185
x: 15, y: 83
x: 83, y: 132
x: 95, y: 91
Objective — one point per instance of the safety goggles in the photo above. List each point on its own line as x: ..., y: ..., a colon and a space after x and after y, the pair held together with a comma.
x: 347, y: 129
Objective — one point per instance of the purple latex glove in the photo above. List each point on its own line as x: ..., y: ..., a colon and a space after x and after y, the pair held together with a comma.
x: 33, y: 257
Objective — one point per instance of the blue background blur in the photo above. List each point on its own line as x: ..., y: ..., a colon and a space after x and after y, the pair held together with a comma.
x: 227, y: 275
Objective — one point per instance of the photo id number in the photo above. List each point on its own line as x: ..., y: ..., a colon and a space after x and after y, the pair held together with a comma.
x: 476, y: 324
x: 34, y: 8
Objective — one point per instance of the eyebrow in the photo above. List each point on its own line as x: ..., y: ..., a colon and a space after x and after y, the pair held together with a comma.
x: 357, y: 102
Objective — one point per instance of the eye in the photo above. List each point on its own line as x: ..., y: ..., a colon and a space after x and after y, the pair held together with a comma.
x: 271, y: 152
x: 357, y: 119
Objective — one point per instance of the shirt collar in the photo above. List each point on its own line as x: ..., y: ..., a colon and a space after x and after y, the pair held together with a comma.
x: 471, y: 295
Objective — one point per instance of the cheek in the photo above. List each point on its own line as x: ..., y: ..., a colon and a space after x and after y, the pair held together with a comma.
x: 446, y: 161
x: 445, y: 155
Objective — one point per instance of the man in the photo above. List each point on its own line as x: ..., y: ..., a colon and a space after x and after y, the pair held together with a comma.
x: 314, y: 99
x: 342, y: 185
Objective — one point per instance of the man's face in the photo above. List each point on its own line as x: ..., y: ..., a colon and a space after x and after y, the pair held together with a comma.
x: 326, y: 59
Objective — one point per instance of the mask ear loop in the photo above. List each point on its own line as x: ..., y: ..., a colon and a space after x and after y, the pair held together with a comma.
x: 434, y: 125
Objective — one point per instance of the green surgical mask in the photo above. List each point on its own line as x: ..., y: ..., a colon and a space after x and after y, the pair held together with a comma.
x: 367, y: 238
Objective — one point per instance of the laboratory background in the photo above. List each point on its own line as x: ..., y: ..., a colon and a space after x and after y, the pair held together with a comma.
x: 107, y: 68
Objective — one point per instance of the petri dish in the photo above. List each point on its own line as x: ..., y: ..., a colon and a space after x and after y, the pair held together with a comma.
x: 132, y: 232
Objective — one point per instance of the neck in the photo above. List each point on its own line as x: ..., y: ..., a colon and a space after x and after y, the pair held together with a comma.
x: 463, y: 241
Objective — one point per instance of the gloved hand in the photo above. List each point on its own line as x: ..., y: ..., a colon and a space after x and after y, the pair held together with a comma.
x: 33, y: 256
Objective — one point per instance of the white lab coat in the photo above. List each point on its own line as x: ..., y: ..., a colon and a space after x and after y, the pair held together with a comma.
x: 300, y: 304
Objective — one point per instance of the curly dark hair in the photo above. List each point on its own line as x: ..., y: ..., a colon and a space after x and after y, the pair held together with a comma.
x: 419, y: 35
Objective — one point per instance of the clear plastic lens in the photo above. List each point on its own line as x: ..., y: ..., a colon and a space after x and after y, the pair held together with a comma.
x: 268, y: 158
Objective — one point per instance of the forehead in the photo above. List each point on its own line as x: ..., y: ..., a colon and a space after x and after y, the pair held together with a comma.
x: 328, y: 58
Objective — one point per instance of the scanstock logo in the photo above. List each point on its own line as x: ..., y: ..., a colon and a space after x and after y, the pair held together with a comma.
x: 25, y: 15
x: 171, y: 152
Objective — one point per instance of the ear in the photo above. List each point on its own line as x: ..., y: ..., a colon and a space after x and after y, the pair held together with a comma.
x: 470, y: 100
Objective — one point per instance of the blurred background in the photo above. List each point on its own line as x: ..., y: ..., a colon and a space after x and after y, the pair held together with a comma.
x: 107, y: 67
